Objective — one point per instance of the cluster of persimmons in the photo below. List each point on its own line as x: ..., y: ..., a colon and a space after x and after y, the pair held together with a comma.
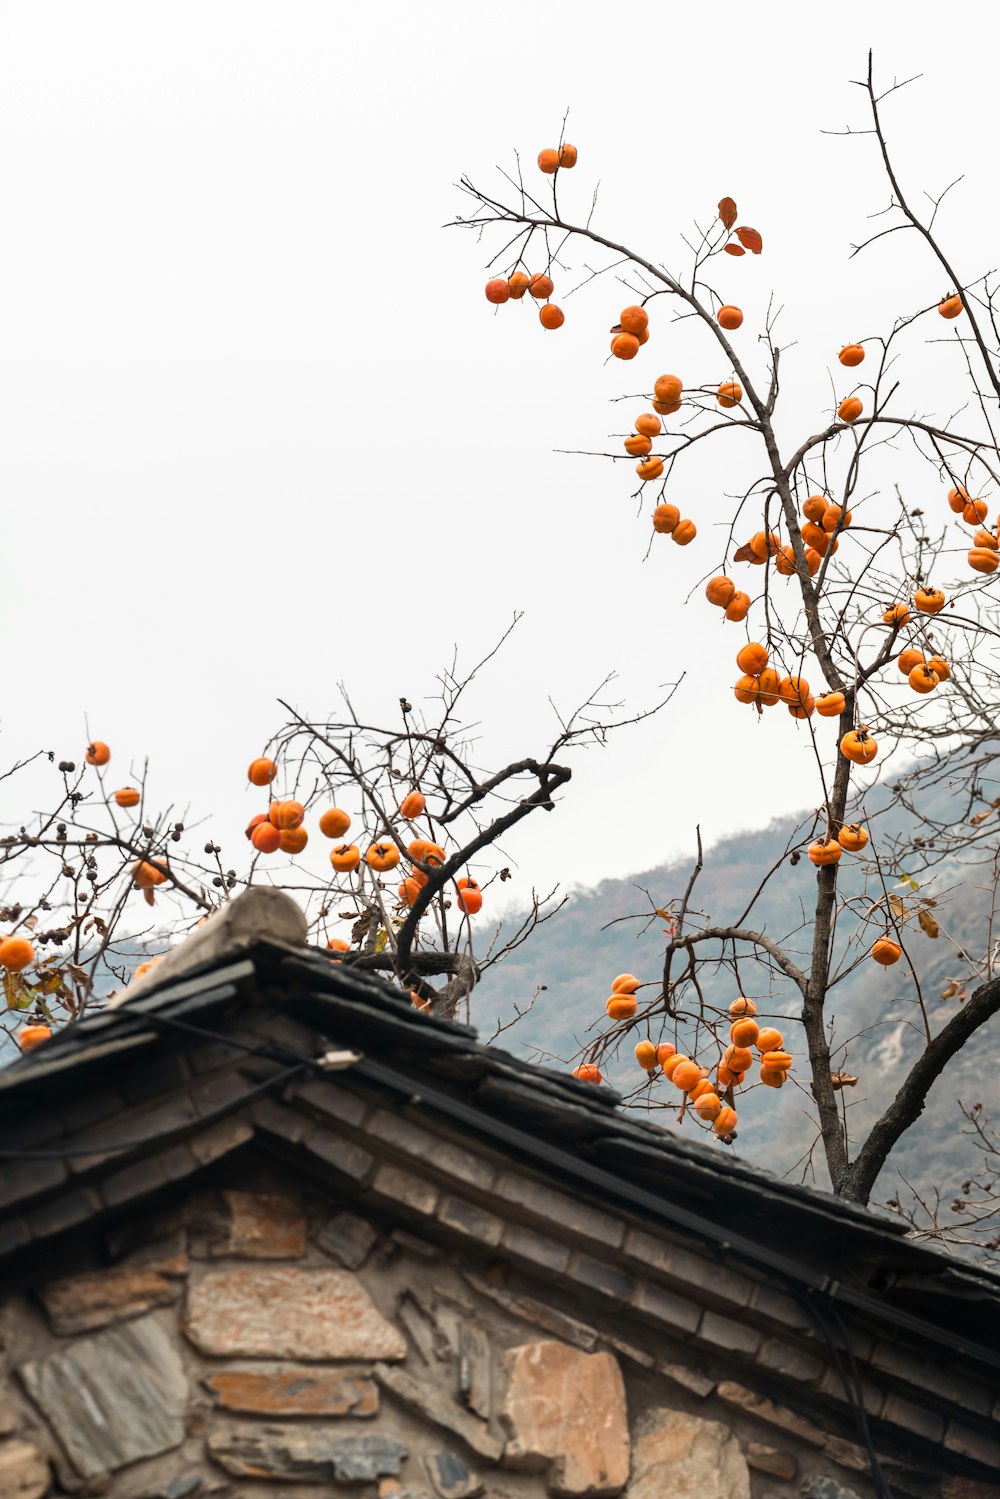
x: 281, y: 828
x: 706, y: 1095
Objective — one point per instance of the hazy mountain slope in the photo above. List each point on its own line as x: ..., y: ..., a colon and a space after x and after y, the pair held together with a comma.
x: 576, y: 954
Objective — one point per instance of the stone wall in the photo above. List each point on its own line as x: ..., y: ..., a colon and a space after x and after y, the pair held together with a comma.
x: 249, y: 1342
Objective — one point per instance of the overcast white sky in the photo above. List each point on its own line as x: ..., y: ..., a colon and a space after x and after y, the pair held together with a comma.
x: 260, y: 431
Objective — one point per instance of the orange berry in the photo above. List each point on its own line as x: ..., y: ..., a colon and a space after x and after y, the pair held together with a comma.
x: 624, y: 346
x: 16, y: 953
x: 293, y: 840
x: 634, y: 320
x: 266, y: 838
x: 334, y: 823
x: 262, y: 772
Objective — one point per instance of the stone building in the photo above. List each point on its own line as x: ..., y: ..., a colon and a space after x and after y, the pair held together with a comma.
x: 268, y: 1230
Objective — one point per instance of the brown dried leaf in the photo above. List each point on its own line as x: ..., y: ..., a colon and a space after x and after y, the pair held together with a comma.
x: 842, y: 1080
x: 734, y: 249
x: 750, y: 239
x: 31, y: 922
x: 743, y: 553
x: 928, y: 925
x: 899, y: 907
x: 727, y: 212
x: 951, y: 990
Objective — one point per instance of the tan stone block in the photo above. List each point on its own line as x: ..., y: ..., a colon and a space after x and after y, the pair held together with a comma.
x: 531, y: 1311
x: 264, y: 1226
x: 258, y: 1312
x: 565, y: 1411
x: 24, y: 1471
x: 774, y: 1415
x: 682, y: 1455
x: 81, y: 1303
x: 769, y: 1460
x: 439, y: 1408
x: 294, y: 1391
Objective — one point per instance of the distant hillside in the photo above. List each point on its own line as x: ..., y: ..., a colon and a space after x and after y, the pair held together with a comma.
x: 577, y: 953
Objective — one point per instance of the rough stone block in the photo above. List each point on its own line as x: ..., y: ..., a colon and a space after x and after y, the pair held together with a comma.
x: 451, y: 1477
x: 664, y: 1308
x: 260, y: 1312
x: 405, y: 1190
x: 832, y: 1385
x: 347, y: 1238
x: 330, y: 1099
x: 598, y: 1275
x: 278, y: 1119
x: 542, y: 1253
x: 442, y: 1411
x: 821, y: 1486
x: 571, y: 1216
x: 470, y: 1221
x: 790, y: 1362
x: 535, y: 1313
x: 434, y: 1150
x: 566, y: 1415
x: 939, y: 1380
x: 981, y: 1446
x: 775, y: 1306
x: 82, y: 1303
x: 475, y: 1378
x: 24, y: 1471
x: 163, y: 1256
x: 917, y: 1420
x: 293, y: 1390
x: 675, y: 1453
x: 771, y: 1460
x: 349, y: 1159
x: 222, y: 1091
x: 305, y: 1454
x: 688, y: 1379
x: 766, y: 1410
x: 26, y: 1179
x: 263, y: 1226
x: 114, y: 1397
x: 635, y: 1355
x: 727, y: 1334
x: 688, y: 1268
x: 216, y: 1141
x: 63, y: 1212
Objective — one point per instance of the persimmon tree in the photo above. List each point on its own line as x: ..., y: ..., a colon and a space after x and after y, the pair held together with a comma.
x: 864, y: 615
x: 389, y: 834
